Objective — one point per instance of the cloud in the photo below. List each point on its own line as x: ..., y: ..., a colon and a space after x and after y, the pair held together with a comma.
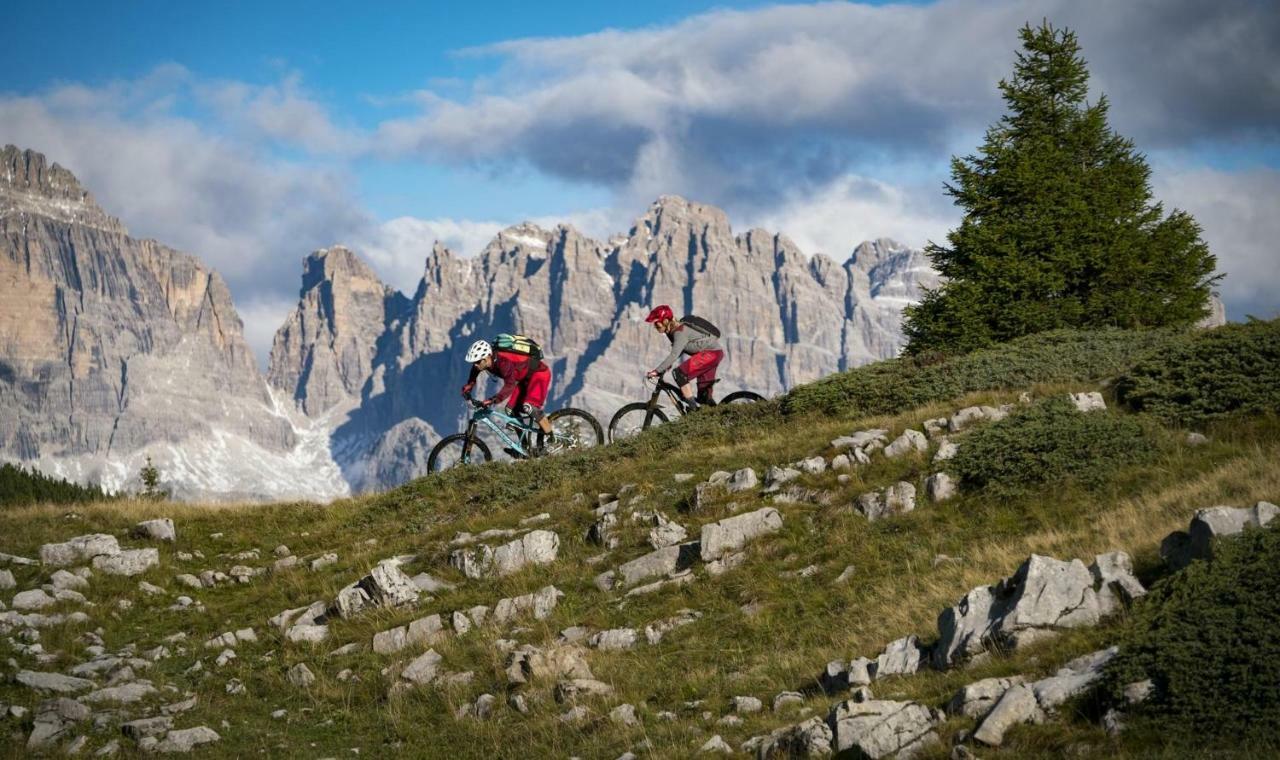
x: 750, y: 107
x: 852, y: 209
x: 398, y: 248
x: 1241, y: 226
x: 281, y: 112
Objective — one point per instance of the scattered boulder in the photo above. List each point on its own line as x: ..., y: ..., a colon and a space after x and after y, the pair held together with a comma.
x: 423, y: 669
x: 128, y: 563
x: 624, y: 715
x: 976, y: 699
x: 54, y: 719
x: 538, y: 604
x: 7, y: 580
x: 127, y: 693
x: 743, y: 705
x: 323, y: 561
x: 654, y: 632
x: 810, y: 738
x: 527, y: 663
x: 1179, y: 548
x: 861, y: 440
x: 1116, y: 584
x: 571, y: 689
x: 187, y: 739
x: 79, y: 549
x: 144, y: 727
x: 935, y: 427
x: 716, y: 744
x: 813, y: 465
x: 896, y: 499
x: 742, y: 480
x: 731, y: 534
x: 964, y: 418
x: 664, y: 561
x: 55, y: 682
x: 35, y: 599
x: 538, y: 547
x: 614, y: 639
x: 900, y: 657
x: 1016, y: 706
x: 387, y: 585
x: 301, y: 676
x: 940, y: 487
x: 947, y: 450
x: 157, y: 530
x: 1196, y: 439
x: 909, y: 441
x: 1089, y: 402
x: 880, y: 728
x: 785, y: 699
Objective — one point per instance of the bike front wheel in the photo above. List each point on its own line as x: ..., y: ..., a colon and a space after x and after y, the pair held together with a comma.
x: 741, y: 397
x: 633, y: 418
x: 455, y: 450
x: 575, y: 429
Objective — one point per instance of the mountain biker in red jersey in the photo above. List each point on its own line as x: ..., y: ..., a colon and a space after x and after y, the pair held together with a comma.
x: 526, y: 381
x: 702, y: 347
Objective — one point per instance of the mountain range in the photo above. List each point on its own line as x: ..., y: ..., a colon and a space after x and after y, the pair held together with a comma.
x: 113, y: 349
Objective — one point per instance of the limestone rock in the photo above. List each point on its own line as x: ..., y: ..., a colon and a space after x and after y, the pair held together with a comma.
x: 940, y: 487
x: 187, y: 739
x: 976, y: 699
x: 158, y: 530
x: 1016, y: 706
x: 79, y: 549
x: 423, y: 669
x: 538, y: 605
x: 1178, y: 549
x: 896, y: 499
x: 54, y: 719
x: 717, y: 745
x: 35, y: 599
x: 881, y: 728
x: 909, y: 441
x: 731, y: 534
x: 810, y: 738
x: 947, y: 451
x: 128, y: 563
x: 7, y: 580
x: 624, y: 715
x: 301, y: 676
x: 1116, y: 584
x: 614, y: 639
x: 1089, y: 402
x: 54, y: 682
x: 387, y: 585
x: 900, y: 657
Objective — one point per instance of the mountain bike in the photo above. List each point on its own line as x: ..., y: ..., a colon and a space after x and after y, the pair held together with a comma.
x: 521, y: 438
x: 641, y: 415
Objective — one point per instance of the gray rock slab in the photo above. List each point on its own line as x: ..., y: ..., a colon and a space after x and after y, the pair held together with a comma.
x: 733, y: 533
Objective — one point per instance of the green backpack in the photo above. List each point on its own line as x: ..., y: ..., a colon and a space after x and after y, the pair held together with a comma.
x: 518, y: 344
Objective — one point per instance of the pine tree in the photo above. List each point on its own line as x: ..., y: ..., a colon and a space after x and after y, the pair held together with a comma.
x: 150, y: 476
x: 1059, y: 229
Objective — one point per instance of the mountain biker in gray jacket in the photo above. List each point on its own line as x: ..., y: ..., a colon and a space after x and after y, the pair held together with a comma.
x: 704, y: 351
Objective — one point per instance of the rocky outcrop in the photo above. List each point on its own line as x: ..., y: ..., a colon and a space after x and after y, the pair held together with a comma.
x: 374, y: 361
x: 113, y: 348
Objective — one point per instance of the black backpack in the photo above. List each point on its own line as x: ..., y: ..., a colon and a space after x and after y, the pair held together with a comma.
x: 701, y: 325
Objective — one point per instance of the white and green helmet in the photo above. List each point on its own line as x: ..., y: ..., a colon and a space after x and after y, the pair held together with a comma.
x: 479, y: 350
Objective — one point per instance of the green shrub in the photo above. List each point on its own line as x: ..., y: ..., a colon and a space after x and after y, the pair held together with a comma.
x: 1209, y: 639
x: 22, y: 486
x: 1234, y: 369
x: 1049, y: 442
x: 1060, y: 356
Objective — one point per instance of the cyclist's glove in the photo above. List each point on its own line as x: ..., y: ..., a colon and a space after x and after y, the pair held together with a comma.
x: 466, y: 389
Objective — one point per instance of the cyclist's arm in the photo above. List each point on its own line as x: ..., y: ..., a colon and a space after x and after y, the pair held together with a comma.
x: 679, y: 340
x: 511, y: 377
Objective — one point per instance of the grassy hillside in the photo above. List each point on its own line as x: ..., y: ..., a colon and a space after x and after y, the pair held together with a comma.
x: 765, y: 627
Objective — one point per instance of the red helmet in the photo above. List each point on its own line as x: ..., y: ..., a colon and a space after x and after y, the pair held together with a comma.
x: 660, y: 313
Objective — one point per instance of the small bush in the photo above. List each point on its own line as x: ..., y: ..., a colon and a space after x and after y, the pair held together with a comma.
x: 1234, y: 369
x: 1049, y: 442
x: 1060, y: 356
x: 21, y: 486
x: 1209, y: 639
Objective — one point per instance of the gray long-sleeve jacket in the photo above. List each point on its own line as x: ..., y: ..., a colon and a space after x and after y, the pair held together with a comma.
x: 686, y: 340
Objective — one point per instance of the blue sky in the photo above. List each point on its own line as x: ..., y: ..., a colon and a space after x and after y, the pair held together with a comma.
x: 251, y: 133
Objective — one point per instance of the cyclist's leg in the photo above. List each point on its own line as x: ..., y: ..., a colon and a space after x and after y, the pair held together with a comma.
x: 707, y: 375
x: 684, y: 376
x: 535, y: 393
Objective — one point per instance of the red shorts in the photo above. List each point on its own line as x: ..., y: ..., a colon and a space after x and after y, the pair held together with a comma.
x: 701, y: 367
x: 533, y: 390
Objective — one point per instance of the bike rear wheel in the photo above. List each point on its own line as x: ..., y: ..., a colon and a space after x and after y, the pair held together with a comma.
x: 575, y: 429
x: 741, y: 397
x: 457, y: 449
x: 633, y: 418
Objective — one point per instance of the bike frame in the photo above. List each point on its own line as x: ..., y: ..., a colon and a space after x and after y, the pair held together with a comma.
x: 672, y: 390
x: 486, y: 416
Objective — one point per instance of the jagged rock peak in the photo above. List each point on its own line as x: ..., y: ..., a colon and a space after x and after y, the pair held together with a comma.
x: 673, y: 212
x: 333, y: 263
x: 526, y: 234
x: 30, y: 184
